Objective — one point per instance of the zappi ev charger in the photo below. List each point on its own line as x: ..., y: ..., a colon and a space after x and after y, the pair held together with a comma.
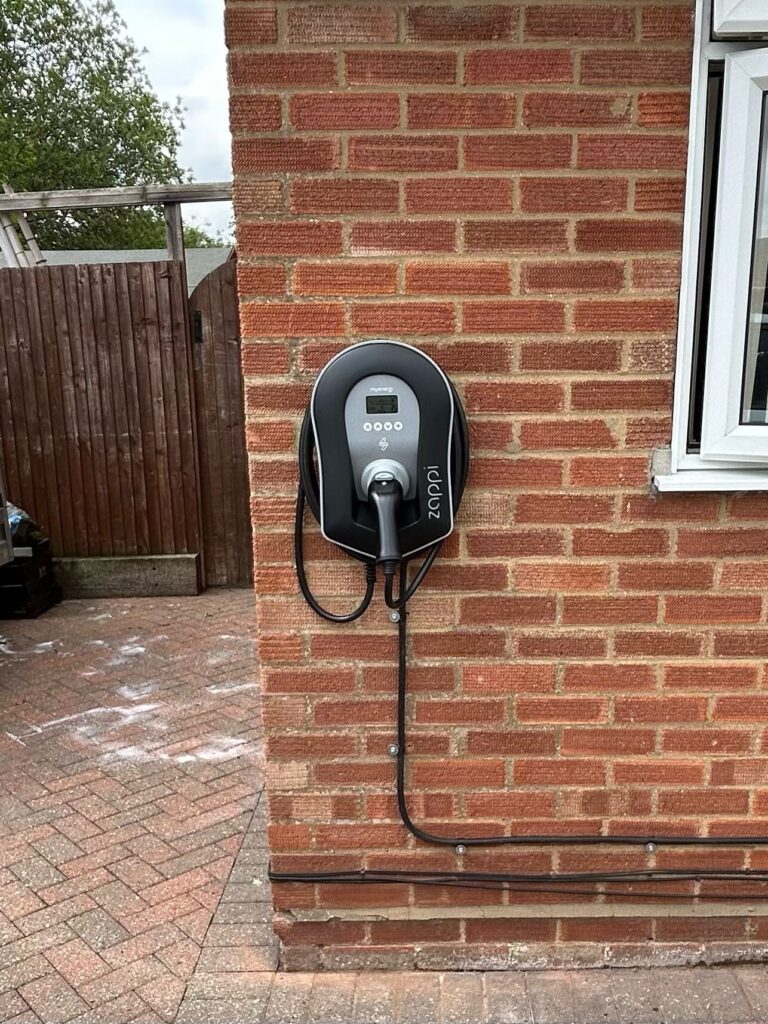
x: 391, y: 448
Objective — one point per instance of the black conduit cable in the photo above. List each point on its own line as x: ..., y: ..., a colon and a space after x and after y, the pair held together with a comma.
x: 516, y: 840
x: 307, y: 493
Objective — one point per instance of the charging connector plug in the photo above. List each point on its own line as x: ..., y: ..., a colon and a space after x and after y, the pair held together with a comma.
x: 386, y: 496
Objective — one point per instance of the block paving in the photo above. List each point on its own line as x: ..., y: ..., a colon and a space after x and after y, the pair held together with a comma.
x: 133, y: 855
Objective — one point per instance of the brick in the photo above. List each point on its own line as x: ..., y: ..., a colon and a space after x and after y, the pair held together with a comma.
x: 565, y: 508
x: 504, y: 610
x: 706, y: 802
x: 631, y: 152
x: 627, y: 236
x: 458, y: 195
x: 504, y: 67
x: 467, y: 23
x: 507, y: 473
x: 701, y: 676
x: 411, y: 67
x: 658, y: 772
x: 308, y: 680
x: 636, y: 67
x: 337, y: 23
x: 660, y: 709
x: 457, y: 277
x: 291, y: 238
x: 516, y: 152
x: 566, y: 434
x: 514, y: 397
x: 507, y: 678
x: 638, y: 541
x: 260, y: 280
x: 338, y: 112
x: 514, y: 543
x: 660, y: 576
x: 247, y: 26
x: 712, y: 609
x: 608, y: 742
x: 452, y: 110
x: 706, y: 740
x: 575, y: 195
x: 576, y: 110
x: 544, y: 576
x: 621, y: 394
x: 489, y: 643
x: 403, y: 153
x: 344, y: 197
x: 457, y: 774
x: 291, y: 319
x: 551, y: 772
x: 249, y: 113
x: 572, y: 276
x: 284, y: 155
x: 340, y: 278
x: 747, y: 709
x: 460, y: 711
x: 663, y: 109
x: 560, y: 709
x: 722, y: 543
x: 261, y: 360
x: 395, y: 237
x: 513, y: 316
x: 564, y: 356
x: 562, y: 21
x: 600, y: 677
x: 503, y: 237
x: 660, y: 194
x: 667, y: 22
x: 282, y: 70
x: 257, y: 197
x: 402, y: 317
x: 604, y: 610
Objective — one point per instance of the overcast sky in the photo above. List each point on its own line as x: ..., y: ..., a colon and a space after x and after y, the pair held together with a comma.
x: 186, y: 58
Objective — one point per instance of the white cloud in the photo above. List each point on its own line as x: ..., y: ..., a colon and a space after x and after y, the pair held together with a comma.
x: 186, y: 58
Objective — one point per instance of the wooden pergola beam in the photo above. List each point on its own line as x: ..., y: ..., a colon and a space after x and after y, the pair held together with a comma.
x: 133, y: 195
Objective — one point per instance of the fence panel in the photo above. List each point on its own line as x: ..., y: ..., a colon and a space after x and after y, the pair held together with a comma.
x: 96, y: 407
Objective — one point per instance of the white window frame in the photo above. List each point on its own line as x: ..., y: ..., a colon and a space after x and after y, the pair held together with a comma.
x: 723, y: 436
x: 738, y: 18
x: 683, y: 470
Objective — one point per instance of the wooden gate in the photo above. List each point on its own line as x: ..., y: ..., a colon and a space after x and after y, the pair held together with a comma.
x: 224, y: 487
x: 98, y: 419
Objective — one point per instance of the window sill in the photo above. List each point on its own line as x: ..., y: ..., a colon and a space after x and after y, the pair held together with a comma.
x: 703, y: 480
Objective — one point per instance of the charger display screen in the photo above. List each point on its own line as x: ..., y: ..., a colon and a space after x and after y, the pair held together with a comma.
x: 380, y: 404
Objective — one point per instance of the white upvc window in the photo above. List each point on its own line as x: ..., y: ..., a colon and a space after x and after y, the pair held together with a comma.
x: 738, y: 18
x: 720, y: 422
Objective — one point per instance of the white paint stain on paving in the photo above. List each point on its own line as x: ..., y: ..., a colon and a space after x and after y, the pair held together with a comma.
x: 231, y: 687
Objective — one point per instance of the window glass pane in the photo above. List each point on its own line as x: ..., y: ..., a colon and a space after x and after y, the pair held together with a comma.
x: 755, y: 385
x: 706, y: 246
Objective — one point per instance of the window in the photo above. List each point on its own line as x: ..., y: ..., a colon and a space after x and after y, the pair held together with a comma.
x: 720, y: 428
x: 738, y: 18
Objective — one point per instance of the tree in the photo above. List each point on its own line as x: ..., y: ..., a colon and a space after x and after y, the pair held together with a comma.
x: 77, y: 110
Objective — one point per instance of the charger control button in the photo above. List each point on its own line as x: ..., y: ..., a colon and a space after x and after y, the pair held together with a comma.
x: 387, y: 426
x: 377, y: 426
x: 398, y: 425
x: 367, y: 426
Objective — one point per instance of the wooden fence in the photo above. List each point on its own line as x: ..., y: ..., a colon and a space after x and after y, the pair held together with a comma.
x: 98, y: 415
x: 224, y: 486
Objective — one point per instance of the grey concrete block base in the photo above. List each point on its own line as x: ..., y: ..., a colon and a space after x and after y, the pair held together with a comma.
x: 129, y: 576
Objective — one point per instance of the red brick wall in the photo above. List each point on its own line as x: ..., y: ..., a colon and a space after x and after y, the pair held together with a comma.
x: 501, y: 184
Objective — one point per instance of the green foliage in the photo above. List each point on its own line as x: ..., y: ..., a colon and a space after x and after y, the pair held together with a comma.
x: 78, y: 111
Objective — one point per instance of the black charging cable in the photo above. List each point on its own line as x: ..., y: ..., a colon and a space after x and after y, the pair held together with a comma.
x: 309, y: 597
x: 398, y: 602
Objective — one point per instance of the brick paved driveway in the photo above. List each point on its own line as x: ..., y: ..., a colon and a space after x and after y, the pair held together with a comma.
x: 130, y: 769
x: 132, y: 855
